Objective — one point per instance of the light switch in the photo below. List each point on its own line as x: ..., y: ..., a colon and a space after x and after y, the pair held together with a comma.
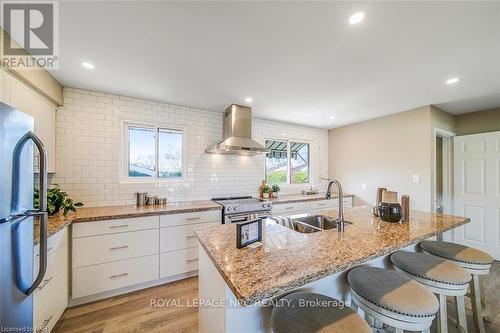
x: 363, y: 187
x: 416, y: 179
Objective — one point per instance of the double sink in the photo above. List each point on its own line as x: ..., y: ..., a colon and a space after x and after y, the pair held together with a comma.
x: 314, y: 223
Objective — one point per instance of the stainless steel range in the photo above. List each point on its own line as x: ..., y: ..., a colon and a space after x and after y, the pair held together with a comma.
x: 241, y: 209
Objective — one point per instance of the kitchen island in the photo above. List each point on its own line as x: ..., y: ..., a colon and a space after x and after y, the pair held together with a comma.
x: 236, y: 286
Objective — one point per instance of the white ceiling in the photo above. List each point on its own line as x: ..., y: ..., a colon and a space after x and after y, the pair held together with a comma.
x: 301, y: 62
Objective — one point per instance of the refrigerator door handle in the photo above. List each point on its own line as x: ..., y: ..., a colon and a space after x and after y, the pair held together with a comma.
x: 42, y: 206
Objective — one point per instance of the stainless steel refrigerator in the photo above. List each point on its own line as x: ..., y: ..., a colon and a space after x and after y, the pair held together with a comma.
x: 17, y: 283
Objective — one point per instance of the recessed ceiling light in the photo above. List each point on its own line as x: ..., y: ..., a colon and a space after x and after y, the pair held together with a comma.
x: 248, y: 99
x: 452, y: 80
x: 88, y: 65
x: 356, y: 18
x: 332, y: 117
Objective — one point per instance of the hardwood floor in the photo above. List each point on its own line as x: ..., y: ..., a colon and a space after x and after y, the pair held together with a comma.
x: 134, y: 312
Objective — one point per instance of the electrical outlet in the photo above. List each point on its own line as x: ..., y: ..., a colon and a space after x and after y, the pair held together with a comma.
x: 416, y: 179
x: 363, y: 187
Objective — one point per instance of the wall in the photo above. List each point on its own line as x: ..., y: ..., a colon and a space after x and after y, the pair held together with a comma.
x: 385, y: 152
x: 89, y: 142
x: 478, y: 122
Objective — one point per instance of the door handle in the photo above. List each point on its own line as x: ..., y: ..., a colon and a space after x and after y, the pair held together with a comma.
x: 42, y: 201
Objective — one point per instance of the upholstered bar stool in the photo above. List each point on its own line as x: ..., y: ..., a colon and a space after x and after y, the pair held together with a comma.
x: 393, y: 299
x: 304, y: 312
x: 475, y: 262
x: 441, y: 276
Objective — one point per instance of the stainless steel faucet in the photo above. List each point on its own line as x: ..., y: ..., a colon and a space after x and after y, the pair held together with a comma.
x: 340, y: 219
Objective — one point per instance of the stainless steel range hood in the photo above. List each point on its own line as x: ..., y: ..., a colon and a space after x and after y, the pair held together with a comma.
x: 238, y: 133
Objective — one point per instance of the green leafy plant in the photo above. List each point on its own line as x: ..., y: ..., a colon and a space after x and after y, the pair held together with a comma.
x: 278, y: 176
x: 265, y: 189
x: 275, y: 188
x: 56, y: 201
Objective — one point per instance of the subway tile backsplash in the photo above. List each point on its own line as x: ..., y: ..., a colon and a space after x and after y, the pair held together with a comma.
x: 90, y: 131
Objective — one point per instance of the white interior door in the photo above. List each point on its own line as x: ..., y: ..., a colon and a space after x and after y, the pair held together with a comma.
x: 477, y: 191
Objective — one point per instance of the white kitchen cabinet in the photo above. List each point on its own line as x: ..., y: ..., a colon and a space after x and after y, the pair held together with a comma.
x: 116, y: 256
x: 178, y: 262
x: 114, y: 247
x: 289, y: 209
x: 113, y: 254
x: 3, y: 90
x: 96, y: 279
x: 21, y: 96
x: 178, y: 244
x: 180, y: 237
x: 50, y: 299
x: 114, y: 226
x: 190, y: 218
x: 310, y: 207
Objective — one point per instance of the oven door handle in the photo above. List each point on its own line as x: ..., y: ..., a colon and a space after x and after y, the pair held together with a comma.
x: 239, y: 219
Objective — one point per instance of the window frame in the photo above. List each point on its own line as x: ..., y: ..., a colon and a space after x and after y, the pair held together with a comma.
x: 125, y: 155
x: 289, y: 160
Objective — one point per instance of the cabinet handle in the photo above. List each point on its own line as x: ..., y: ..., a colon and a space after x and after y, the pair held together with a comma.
x: 45, y: 282
x: 118, y: 275
x: 289, y: 207
x: 118, y: 226
x: 50, y: 249
x: 118, y: 247
x: 321, y: 204
x: 44, y: 325
x: 192, y: 260
x: 193, y: 218
x: 189, y: 237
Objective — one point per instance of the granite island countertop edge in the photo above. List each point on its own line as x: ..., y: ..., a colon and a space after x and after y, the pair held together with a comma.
x: 303, y: 280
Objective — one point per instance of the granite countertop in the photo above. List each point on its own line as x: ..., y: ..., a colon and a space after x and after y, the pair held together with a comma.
x: 291, y: 198
x: 288, y: 259
x: 92, y: 214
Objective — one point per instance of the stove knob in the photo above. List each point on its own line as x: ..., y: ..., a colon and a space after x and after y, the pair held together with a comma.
x: 263, y: 205
x: 228, y: 209
x: 235, y: 208
x: 268, y: 205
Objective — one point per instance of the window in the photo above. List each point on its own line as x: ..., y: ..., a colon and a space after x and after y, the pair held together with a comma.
x: 287, y: 162
x: 153, y: 152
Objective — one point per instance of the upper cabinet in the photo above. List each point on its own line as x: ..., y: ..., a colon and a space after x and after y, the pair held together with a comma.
x: 3, y: 90
x: 21, y: 96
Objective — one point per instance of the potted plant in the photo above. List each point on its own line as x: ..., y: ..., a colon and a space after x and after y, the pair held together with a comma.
x: 56, y: 201
x: 275, y: 189
x: 265, y: 190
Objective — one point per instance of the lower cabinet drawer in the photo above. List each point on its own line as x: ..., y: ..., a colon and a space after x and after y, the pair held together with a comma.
x: 179, y: 237
x: 178, y: 262
x: 321, y: 204
x: 288, y: 209
x: 105, y: 277
x: 54, y: 242
x: 51, y: 297
x: 115, y: 226
x: 107, y: 248
x: 347, y: 202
